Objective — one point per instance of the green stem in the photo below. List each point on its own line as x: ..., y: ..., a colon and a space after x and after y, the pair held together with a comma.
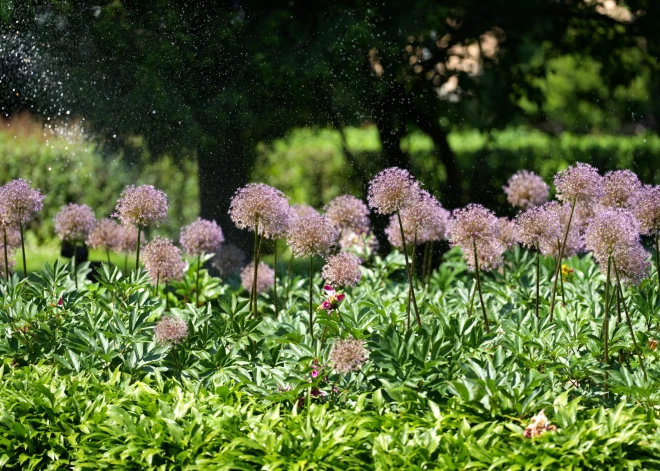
x: 4, y: 232
x: 657, y: 260
x: 199, y: 261
x: 126, y: 263
x: 628, y: 321
x: 425, y: 261
x: 157, y: 281
x: 474, y: 292
x: 107, y: 254
x: 409, y: 270
x: 538, y: 278
x: 277, y: 311
x: 137, y: 250
x: 75, y: 264
x: 256, y: 272
x: 311, y: 310
x: 559, y: 259
x: 20, y: 228
x: 606, y: 318
x: 411, y: 287
x: 481, y: 298
x: 429, y: 269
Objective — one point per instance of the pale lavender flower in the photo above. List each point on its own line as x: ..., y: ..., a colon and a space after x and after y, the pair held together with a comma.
x: 13, y: 238
x: 472, y: 225
x: 342, y: 270
x: 228, y: 260
x: 645, y: 206
x: 129, y: 237
x: 393, y: 233
x: 18, y: 202
x: 610, y: 230
x: 347, y: 212
x: 423, y: 219
x: 263, y: 207
x: 311, y: 236
x: 106, y: 235
x: 302, y: 210
x: 163, y: 260
x: 508, y: 232
x: 537, y: 226
x: 141, y: 206
x: 170, y: 330
x: 526, y: 189
x: 11, y: 261
x: 265, y: 277
x: 618, y: 187
x: 580, y: 182
x: 391, y: 190
x: 575, y: 241
x: 201, y: 237
x: 436, y: 227
x: 348, y: 355
x: 632, y: 262
x: 74, y: 222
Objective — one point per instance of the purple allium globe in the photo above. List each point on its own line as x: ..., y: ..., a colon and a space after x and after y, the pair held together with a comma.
x: 508, y: 232
x: 348, y: 355
x: 645, y: 206
x: 170, y: 330
x: 476, y: 225
x: 228, y: 260
x: 391, y: 190
x: 7, y: 266
x: 129, y: 238
x: 526, y: 189
x: 106, y: 235
x: 393, y: 233
x: 342, y: 270
x: 436, y: 228
x: 580, y: 182
x: 74, y: 222
x: 141, y: 206
x: 13, y: 238
x: 632, y: 262
x: 423, y: 219
x: 19, y: 202
x: 618, y: 187
x: 265, y: 277
x: 611, y: 230
x: 163, y: 260
x: 575, y: 240
x: 538, y: 226
x: 302, y: 210
x: 261, y: 207
x: 201, y: 237
x: 348, y: 213
x: 311, y: 236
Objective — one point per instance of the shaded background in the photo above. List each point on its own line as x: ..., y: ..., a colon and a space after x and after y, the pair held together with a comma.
x: 315, y: 97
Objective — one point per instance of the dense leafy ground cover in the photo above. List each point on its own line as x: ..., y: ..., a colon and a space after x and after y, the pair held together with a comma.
x: 85, y: 385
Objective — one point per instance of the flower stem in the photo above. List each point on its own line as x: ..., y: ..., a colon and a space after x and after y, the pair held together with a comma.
x: 4, y: 232
x: 625, y: 309
x: 288, y: 279
x: 20, y: 228
x: 277, y: 311
x: 126, y: 263
x: 657, y: 259
x: 311, y: 310
x: 538, y: 277
x: 157, y: 281
x: 75, y: 264
x: 559, y: 259
x: 429, y: 269
x: 409, y: 270
x: 256, y: 272
x: 137, y: 249
x: 199, y: 261
x: 481, y: 297
x: 411, y: 287
x: 107, y: 254
x: 606, y: 318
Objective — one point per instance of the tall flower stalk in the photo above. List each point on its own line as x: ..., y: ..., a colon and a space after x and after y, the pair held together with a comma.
x: 200, y: 238
x: 481, y: 296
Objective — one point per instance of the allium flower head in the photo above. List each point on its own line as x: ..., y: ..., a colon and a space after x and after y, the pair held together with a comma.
x: 333, y: 301
x: 74, y: 222
x: 645, y: 206
x: 610, y: 230
x: 163, y: 260
x: 618, y: 187
x: 575, y: 240
x: 201, y: 237
x: 537, y: 226
x: 228, y: 260
x: 393, y: 233
x: 106, y: 235
x: 141, y: 206
x: 265, y: 277
x: 342, y: 270
x: 13, y: 238
x: 391, y: 190
x: 302, y: 210
x: 311, y: 235
x: 580, y: 182
x: 129, y: 237
x: 348, y: 355
x: 18, y: 202
x: 170, y: 330
x: 508, y: 232
x: 261, y: 206
x: 347, y: 212
x: 526, y: 189
x: 632, y: 262
x: 472, y: 225
x: 11, y: 261
x: 423, y: 219
x: 436, y: 227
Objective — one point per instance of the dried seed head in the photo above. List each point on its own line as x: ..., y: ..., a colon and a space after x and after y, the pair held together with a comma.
x: 526, y: 189
x: 74, y: 222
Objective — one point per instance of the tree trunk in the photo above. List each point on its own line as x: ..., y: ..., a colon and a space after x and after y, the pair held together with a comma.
x: 224, y: 166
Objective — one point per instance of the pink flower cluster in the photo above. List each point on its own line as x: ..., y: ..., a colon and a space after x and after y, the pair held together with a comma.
x: 74, y: 222
x: 311, y: 236
x: 19, y: 202
x: 170, y: 330
x: 342, y: 270
x: 201, y: 237
x: 265, y: 277
x: 163, y: 261
x: 476, y: 226
x: 141, y: 206
x: 261, y: 207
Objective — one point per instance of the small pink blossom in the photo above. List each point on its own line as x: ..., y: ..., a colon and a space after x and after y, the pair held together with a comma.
x: 333, y: 301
